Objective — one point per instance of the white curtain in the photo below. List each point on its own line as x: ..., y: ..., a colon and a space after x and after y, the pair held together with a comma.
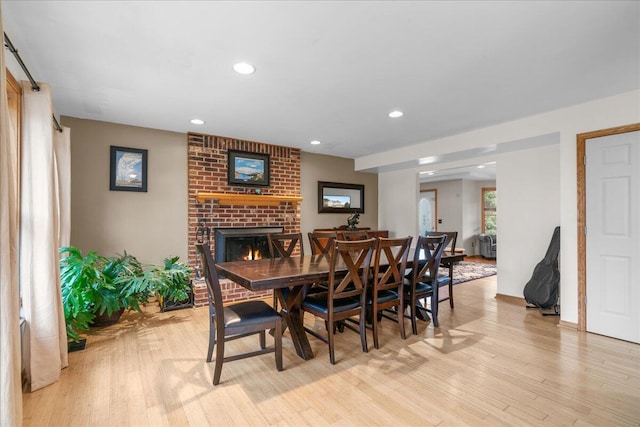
x: 62, y: 151
x: 10, y: 383
x: 46, y: 346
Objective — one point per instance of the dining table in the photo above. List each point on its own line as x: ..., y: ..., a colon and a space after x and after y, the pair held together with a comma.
x: 296, y: 274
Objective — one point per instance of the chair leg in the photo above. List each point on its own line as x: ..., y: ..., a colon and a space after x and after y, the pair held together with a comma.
x: 451, y: 292
x: 414, y: 315
x: 278, y: 344
x: 263, y: 340
x: 374, y: 328
x: 330, y: 332
x: 212, y: 340
x: 400, y: 316
x: 434, y: 309
x: 363, y: 331
x: 219, y: 360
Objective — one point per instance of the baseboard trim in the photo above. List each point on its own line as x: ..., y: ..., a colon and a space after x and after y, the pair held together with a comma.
x: 568, y: 325
x: 511, y: 299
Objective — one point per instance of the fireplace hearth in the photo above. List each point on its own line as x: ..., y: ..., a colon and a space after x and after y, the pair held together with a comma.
x: 242, y: 243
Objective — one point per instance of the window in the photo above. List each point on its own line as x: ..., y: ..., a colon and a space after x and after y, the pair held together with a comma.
x: 489, y: 203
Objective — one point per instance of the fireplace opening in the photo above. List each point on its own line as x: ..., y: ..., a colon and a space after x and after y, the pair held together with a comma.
x: 243, y: 243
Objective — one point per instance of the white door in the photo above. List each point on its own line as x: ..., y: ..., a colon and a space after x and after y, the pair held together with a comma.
x: 427, y: 211
x: 613, y: 228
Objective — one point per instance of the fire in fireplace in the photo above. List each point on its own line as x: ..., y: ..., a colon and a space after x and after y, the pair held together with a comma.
x: 243, y: 243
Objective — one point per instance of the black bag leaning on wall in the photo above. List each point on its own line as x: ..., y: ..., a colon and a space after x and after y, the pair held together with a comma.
x: 542, y: 290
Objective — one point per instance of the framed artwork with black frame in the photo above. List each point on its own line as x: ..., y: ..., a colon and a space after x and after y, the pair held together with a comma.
x: 335, y: 197
x: 245, y: 168
x: 128, y: 169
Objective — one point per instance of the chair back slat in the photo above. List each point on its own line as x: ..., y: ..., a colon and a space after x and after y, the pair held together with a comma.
x: 426, y: 270
x: 356, y: 256
x: 390, y: 263
x: 322, y: 241
x: 214, y: 292
x: 283, y: 245
x: 450, y: 242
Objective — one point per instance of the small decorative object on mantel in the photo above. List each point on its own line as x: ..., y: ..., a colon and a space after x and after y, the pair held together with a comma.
x: 253, y: 191
x: 352, y: 221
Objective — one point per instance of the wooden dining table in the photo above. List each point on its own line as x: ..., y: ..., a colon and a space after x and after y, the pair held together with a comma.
x: 297, y: 274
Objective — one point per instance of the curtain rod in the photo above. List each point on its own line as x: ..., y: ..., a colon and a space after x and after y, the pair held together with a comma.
x: 34, y: 85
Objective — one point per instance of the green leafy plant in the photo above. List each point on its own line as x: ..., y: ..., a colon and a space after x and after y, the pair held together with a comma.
x: 175, y: 283
x: 94, y: 284
x: 82, y: 283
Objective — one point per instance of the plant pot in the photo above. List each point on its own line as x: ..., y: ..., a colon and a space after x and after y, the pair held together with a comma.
x: 76, y: 346
x: 105, y: 320
x: 168, y: 305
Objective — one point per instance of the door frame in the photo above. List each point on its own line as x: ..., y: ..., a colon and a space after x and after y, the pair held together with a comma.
x: 582, y: 214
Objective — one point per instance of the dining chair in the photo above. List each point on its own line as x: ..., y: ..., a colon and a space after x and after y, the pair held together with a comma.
x: 449, y: 248
x: 237, y: 320
x: 387, y: 290
x: 424, y: 282
x: 346, y: 294
x: 321, y: 242
x: 450, y: 241
x: 283, y: 245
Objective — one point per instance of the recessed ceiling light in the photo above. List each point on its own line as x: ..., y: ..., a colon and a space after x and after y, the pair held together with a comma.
x: 197, y: 121
x: 315, y: 142
x: 395, y: 114
x: 481, y: 166
x: 243, y: 68
x: 430, y: 173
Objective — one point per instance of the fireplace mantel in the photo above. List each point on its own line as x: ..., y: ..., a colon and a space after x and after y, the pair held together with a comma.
x: 246, y: 199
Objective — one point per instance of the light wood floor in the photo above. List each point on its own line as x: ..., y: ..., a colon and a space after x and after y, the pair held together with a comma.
x: 490, y: 363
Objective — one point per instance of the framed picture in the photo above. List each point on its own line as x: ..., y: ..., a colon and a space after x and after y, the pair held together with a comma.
x: 335, y: 197
x: 128, y: 169
x: 248, y: 168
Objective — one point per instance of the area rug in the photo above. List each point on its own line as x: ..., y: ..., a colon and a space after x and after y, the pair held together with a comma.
x: 465, y: 271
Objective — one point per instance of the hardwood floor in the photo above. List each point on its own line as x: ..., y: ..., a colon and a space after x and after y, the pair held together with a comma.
x: 490, y: 363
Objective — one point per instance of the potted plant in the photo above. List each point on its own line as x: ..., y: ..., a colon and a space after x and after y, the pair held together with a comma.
x: 95, y: 286
x: 174, y: 291
x: 85, y: 288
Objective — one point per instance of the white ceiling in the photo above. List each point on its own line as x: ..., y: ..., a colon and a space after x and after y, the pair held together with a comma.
x: 325, y: 70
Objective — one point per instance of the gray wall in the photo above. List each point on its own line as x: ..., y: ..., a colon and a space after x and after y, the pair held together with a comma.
x: 319, y: 167
x: 153, y: 225
x: 459, y: 208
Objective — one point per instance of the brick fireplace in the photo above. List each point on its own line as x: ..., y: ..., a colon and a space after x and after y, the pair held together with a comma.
x: 207, y: 170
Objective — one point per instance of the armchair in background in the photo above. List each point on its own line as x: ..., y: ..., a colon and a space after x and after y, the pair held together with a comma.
x: 488, y: 245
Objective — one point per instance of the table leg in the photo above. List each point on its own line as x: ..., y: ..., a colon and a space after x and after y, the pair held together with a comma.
x: 292, y: 314
x: 421, y: 312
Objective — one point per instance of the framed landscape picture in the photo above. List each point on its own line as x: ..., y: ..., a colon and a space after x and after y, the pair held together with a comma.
x: 128, y: 169
x: 247, y: 168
